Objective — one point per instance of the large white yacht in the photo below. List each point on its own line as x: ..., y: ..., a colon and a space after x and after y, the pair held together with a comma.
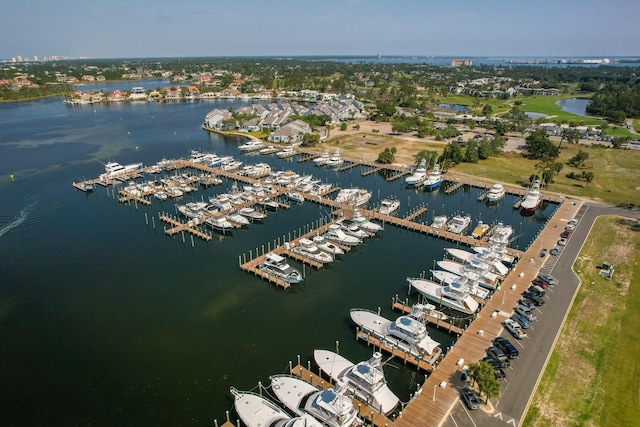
x: 308, y: 249
x: 448, y: 296
x: 532, y: 200
x: 481, y: 268
x: 258, y: 411
x: 322, y: 159
x: 365, y: 380
x: 459, y: 223
x: 434, y: 178
x: 408, y: 332
x: 389, y: 205
x: 277, y: 266
x: 353, y: 196
x: 251, y: 145
x: 336, y: 235
x: 113, y: 169
x: 335, y: 160
x: 324, y: 245
x: 251, y: 214
x: 331, y: 407
x: 495, y: 193
x: 364, y: 223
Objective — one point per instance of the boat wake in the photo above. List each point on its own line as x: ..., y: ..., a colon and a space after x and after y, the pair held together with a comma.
x: 18, y: 219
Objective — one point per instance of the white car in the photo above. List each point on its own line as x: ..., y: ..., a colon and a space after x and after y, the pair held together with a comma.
x: 524, y: 311
x: 514, y: 328
x: 562, y: 241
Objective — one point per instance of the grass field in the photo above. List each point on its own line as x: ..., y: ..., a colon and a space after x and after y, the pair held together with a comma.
x: 593, y: 374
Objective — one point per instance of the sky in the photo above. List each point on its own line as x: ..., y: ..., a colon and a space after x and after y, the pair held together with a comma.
x: 187, y: 28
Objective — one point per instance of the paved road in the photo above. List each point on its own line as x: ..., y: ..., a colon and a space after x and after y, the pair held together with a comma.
x: 525, y: 372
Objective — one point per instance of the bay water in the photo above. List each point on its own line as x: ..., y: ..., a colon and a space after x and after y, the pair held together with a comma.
x: 104, y: 320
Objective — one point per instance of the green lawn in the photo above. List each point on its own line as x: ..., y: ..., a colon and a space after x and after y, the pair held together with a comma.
x: 593, y: 374
x: 616, y: 177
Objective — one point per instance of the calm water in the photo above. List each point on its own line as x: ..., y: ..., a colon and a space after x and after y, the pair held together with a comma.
x: 455, y: 107
x: 104, y: 320
x: 574, y: 105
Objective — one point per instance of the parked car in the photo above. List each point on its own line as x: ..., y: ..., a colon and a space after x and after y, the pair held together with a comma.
x: 570, y: 227
x: 497, y: 370
x: 514, y: 329
x: 539, y: 282
x: 538, y: 290
x: 505, y: 345
x: 548, y: 278
x: 527, y: 303
x: 562, y: 242
x: 526, y: 312
x: 555, y: 251
x: 470, y: 398
x: 543, y: 253
x: 565, y: 233
x: 498, y: 355
x: 522, y: 321
x: 573, y: 222
x: 538, y: 301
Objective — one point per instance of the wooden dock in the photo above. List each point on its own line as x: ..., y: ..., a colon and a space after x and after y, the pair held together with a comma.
x: 415, y: 214
x: 348, y: 166
x: 422, y: 364
x: 397, y: 175
x: 453, y: 187
x: 371, y: 171
x: 179, y: 227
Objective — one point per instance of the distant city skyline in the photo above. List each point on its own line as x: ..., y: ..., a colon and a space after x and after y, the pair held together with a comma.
x: 159, y: 28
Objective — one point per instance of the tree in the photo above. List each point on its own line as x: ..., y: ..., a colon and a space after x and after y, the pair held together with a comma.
x: 453, y: 152
x: 310, y: 139
x: 548, y: 167
x: 429, y: 156
x: 487, y: 110
x: 619, y: 141
x: 571, y: 134
x: 579, y: 159
x: 471, y: 154
x: 387, y: 156
x: 483, y: 375
x: 539, y: 145
x: 343, y: 126
x: 588, y: 176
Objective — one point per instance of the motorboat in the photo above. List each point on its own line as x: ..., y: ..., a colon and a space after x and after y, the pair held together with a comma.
x: 419, y: 174
x: 160, y: 195
x: 389, y: 205
x: 365, y: 224
x: 308, y: 249
x: 472, y: 281
x: 269, y: 204
x: 331, y: 407
x: 351, y: 228
x: 237, y: 219
x: 407, y: 332
x: 480, y: 230
x: 286, y: 153
x: 483, y: 269
x: 230, y: 165
x: 439, y: 221
x: 501, y: 234
x: 257, y: 411
x: 277, y: 266
x: 252, y: 215
x: 365, y: 381
x: 447, y: 296
x: 220, y: 223
x: 532, y: 199
x: 222, y: 202
x: 495, y: 193
x: 459, y: 223
x: 256, y: 171
x: 295, y: 197
x: 191, y: 209
x: 322, y: 159
x: 251, y: 145
x: 324, y: 245
x: 268, y: 150
x: 336, y: 235
x: 434, y: 178
x: 215, y: 161
x: 114, y: 169
x: 335, y: 160
x: 500, y: 252
x: 353, y: 196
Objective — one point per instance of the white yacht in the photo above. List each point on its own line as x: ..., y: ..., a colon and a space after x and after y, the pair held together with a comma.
x: 114, y: 169
x: 161, y: 195
x: 459, y: 223
x: 251, y: 145
x: 335, y: 160
x: 389, y: 205
x: 434, y: 178
x: 419, y: 174
x: 336, y: 235
x: 191, y: 209
x: 222, y: 202
x: 457, y: 299
x: 308, y: 249
x: 439, y: 221
x: 286, y: 153
x: 364, y: 381
x: 322, y: 159
x: 237, y: 219
x: 257, y: 411
x: 351, y: 228
x: 361, y: 221
x: 495, y: 193
x: 331, y: 407
x: 326, y: 246
x: 268, y: 150
x: 220, y: 223
x: 407, y: 332
x: 277, y: 266
x: 230, y: 165
x: 487, y: 255
x: 481, y: 268
x: 353, y: 196
x: 252, y: 215
x: 295, y: 197
x: 472, y: 281
x: 533, y: 199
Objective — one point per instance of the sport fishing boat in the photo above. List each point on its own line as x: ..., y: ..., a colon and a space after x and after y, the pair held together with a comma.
x: 439, y: 221
x: 459, y: 223
x: 114, y: 169
x: 364, y: 381
x: 336, y: 235
x: 448, y: 296
x: 418, y: 175
x: 310, y: 250
x: 277, y: 266
x: 258, y: 411
x: 326, y: 246
x: 496, y: 193
x: 389, y: 205
x: 331, y: 407
x: 532, y: 199
x: 361, y: 221
x: 252, y: 215
x: 434, y: 178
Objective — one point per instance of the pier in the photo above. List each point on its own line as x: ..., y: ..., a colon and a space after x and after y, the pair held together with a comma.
x: 181, y: 227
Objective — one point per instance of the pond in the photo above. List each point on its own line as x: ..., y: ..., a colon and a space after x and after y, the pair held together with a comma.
x: 533, y: 116
x: 455, y: 107
x: 574, y: 105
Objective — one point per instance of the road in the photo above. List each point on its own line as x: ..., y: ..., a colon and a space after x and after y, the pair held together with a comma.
x: 525, y: 372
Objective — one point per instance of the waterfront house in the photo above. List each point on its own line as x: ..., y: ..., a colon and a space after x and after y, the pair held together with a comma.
x: 291, y: 132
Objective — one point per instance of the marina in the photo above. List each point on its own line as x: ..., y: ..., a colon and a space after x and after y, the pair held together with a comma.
x: 147, y: 308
